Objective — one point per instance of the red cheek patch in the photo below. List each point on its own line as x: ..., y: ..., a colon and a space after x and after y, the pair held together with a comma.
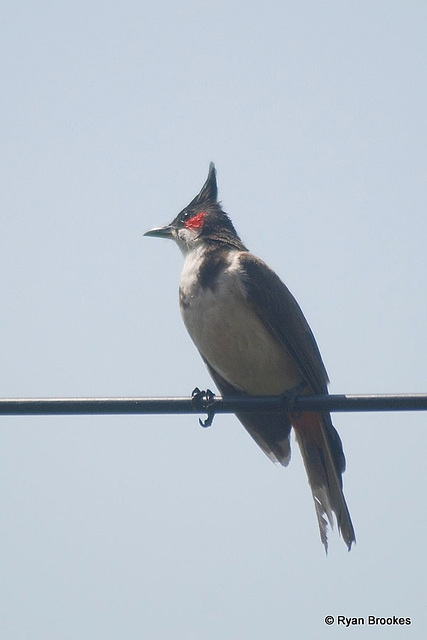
x: 196, y: 222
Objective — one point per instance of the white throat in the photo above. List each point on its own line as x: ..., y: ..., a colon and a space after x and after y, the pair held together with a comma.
x: 193, y: 259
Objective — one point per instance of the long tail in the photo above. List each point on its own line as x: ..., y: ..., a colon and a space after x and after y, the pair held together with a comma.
x: 324, y: 461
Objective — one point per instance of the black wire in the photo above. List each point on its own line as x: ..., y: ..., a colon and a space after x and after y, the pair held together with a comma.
x: 217, y: 404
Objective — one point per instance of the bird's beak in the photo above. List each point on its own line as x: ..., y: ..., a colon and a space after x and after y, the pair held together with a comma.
x: 160, y: 232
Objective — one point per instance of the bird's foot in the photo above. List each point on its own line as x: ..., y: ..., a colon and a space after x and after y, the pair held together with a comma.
x: 204, y: 401
x: 290, y: 397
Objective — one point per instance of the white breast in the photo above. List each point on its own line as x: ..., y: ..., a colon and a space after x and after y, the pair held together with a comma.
x: 230, y: 336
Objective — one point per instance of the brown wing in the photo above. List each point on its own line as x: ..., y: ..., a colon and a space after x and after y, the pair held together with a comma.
x: 279, y: 311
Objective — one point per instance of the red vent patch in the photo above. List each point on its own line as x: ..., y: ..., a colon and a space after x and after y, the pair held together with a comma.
x: 196, y: 222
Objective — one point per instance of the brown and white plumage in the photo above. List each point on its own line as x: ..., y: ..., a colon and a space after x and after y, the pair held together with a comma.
x: 255, y: 340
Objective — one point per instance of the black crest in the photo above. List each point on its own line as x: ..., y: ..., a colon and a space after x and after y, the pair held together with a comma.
x: 216, y: 226
x: 208, y: 194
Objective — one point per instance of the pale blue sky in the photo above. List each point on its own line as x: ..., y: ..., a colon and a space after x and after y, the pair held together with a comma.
x: 151, y: 527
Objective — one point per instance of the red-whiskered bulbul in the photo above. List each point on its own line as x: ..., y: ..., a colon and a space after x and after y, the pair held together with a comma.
x: 255, y: 340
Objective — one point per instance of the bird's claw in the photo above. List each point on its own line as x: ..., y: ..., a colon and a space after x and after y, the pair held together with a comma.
x: 290, y: 397
x: 204, y: 400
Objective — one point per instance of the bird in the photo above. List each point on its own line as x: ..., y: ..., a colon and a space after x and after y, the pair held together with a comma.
x: 254, y: 339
